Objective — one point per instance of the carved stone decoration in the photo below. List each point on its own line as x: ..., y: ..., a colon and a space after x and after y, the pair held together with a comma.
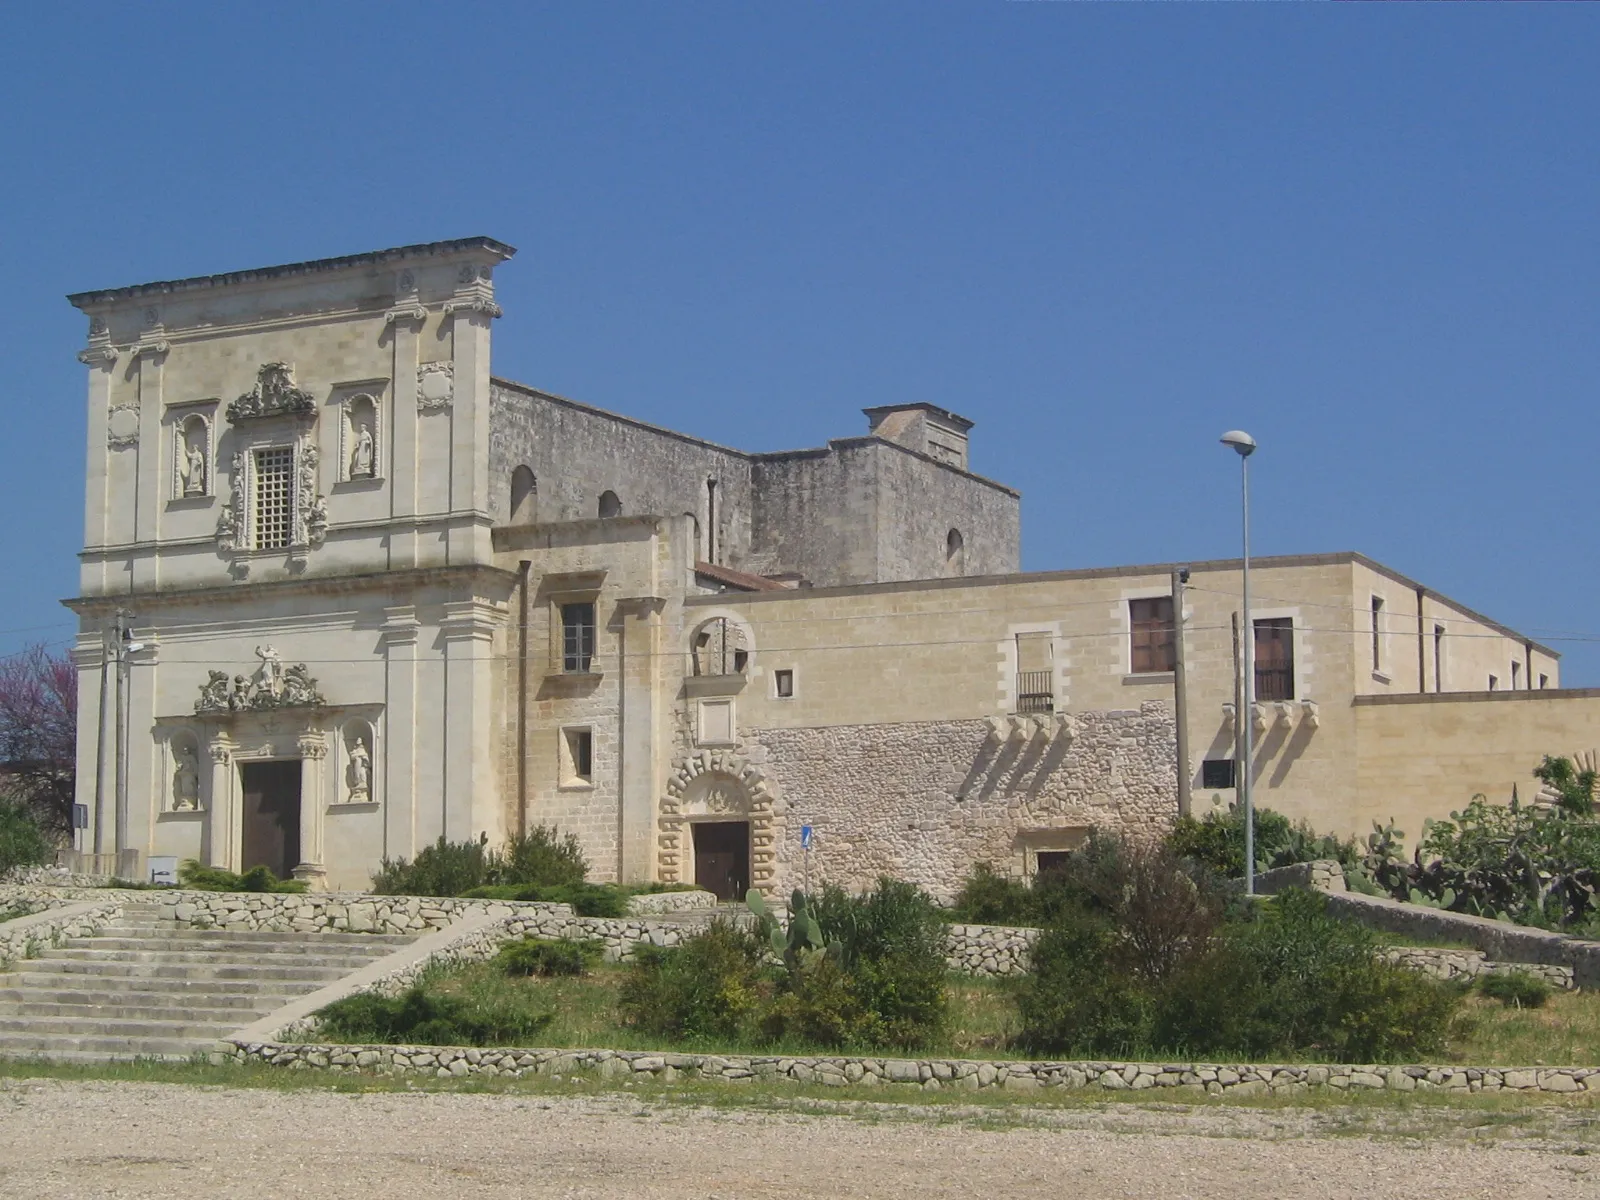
x: 274, y: 395
x: 359, y: 436
x: 472, y: 304
x: 97, y: 327
x: 185, y: 776
x: 311, y: 517
x: 435, y: 386
x: 102, y: 355
x: 122, y: 427
x: 358, y: 771
x: 719, y: 783
x: 230, y: 523
x: 407, y: 283
x: 191, y: 458
x: 271, y: 686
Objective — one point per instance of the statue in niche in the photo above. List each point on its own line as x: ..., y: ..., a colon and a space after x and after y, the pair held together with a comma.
x: 185, y: 779
x: 269, y: 675
x: 361, y: 456
x: 192, y: 459
x: 359, y: 772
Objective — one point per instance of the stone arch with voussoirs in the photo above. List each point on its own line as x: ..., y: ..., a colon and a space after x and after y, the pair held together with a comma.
x: 720, y: 785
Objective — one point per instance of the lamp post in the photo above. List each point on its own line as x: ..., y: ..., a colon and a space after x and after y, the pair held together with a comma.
x: 1246, y: 445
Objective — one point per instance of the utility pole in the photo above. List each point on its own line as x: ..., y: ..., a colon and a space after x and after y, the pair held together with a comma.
x: 1180, y: 694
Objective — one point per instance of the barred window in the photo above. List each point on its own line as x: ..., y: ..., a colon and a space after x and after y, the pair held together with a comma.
x: 274, y: 498
x: 1274, y: 658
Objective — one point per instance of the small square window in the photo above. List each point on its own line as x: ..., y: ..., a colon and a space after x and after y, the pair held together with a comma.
x: 1217, y: 773
x: 577, y: 757
x: 783, y: 684
x: 1544, y: 682
x: 1494, y: 683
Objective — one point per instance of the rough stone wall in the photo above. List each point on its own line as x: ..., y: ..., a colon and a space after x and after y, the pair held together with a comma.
x: 926, y: 1074
x: 920, y: 501
x: 925, y: 801
x: 577, y: 452
x: 867, y: 511
x: 51, y: 921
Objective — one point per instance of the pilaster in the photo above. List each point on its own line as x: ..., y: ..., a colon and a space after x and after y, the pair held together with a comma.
x: 469, y: 804
x: 405, y: 322
x: 399, y: 634
x: 222, y: 841
x: 313, y: 748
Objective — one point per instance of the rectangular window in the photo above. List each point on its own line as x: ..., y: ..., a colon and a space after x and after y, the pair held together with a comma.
x: 577, y: 637
x: 1217, y: 773
x: 783, y: 684
x: 1516, y: 676
x: 1494, y: 683
x: 577, y: 757
x: 1154, y: 645
x: 1438, y: 658
x: 1274, y: 658
x: 1036, y: 689
x: 1544, y: 682
x: 1377, y: 633
x: 274, y: 498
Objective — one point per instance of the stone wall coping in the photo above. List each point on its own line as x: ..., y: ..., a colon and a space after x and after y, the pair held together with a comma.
x: 928, y: 1074
x: 19, y: 934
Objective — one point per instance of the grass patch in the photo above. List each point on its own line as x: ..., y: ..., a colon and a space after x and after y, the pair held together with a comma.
x: 1565, y: 1032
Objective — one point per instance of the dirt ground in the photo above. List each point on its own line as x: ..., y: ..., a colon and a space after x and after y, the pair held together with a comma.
x: 68, y: 1138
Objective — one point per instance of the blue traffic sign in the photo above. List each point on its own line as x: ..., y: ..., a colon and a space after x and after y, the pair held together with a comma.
x: 805, y: 837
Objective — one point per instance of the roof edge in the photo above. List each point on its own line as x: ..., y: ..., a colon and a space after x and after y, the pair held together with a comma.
x: 290, y: 270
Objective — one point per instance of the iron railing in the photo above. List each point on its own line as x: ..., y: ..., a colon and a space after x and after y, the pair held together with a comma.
x: 1036, y: 692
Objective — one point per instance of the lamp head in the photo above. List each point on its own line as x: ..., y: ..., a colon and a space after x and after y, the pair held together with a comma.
x: 1240, y: 441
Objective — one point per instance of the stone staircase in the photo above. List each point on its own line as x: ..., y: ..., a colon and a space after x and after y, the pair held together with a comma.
x: 148, y: 988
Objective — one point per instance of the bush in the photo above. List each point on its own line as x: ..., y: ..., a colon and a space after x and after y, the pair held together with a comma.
x: 215, y: 879
x: 541, y: 859
x: 542, y: 956
x: 713, y: 985
x: 587, y: 899
x: 989, y: 898
x: 1077, y: 997
x: 1217, y: 840
x: 890, y: 944
x: 818, y: 1005
x: 23, y: 841
x: 1515, y: 989
x: 425, y: 1018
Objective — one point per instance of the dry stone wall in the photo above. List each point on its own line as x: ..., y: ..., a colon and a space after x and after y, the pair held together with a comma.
x: 924, y: 801
x: 23, y: 936
x: 926, y: 1074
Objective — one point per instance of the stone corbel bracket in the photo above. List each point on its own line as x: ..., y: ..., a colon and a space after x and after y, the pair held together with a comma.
x: 1312, y: 714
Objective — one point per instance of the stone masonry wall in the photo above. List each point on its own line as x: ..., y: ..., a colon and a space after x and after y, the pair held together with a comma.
x: 47, y: 925
x: 925, y: 801
x: 1177, y: 1079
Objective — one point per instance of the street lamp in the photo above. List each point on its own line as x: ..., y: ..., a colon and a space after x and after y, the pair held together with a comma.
x: 1246, y: 445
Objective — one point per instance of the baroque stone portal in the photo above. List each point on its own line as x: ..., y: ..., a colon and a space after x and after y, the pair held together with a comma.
x: 271, y: 686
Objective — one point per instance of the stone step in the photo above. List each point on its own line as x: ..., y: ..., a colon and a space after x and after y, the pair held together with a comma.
x: 131, y: 1029
x: 225, y: 993
x: 199, y: 972
x: 168, y: 931
x: 97, y: 1048
x: 261, y: 957
x: 118, y: 1009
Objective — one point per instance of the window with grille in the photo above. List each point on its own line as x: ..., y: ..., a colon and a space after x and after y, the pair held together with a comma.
x: 1036, y: 686
x: 1154, y: 647
x: 577, y: 637
x: 274, y: 498
x: 1274, y: 658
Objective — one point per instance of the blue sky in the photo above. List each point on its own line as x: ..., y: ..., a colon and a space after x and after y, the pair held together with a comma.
x: 1104, y: 232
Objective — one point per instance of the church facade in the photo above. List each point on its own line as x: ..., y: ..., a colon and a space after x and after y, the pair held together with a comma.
x: 360, y: 594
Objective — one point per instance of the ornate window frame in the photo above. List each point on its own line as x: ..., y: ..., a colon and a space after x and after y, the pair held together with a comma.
x: 179, y: 418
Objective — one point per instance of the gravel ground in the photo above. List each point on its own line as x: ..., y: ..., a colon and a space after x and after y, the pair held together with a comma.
x: 62, y: 1138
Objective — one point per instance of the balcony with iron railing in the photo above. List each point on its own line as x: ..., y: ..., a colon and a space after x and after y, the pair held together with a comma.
x: 1036, y: 692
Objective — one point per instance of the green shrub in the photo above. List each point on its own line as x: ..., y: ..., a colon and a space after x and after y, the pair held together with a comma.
x: 713, y: 985
x: 1077, y: 997
x: 989, y: 898
x: 586, y: 899
x: 541, y: 858
x: 23, y: 841
x: 1217, y: 839
x: 891, y: 945
x: 191, y: 874
x: 542, y: 956
x: 1515, y: 989
x: 818, y: 1005
x: 427, y: 1018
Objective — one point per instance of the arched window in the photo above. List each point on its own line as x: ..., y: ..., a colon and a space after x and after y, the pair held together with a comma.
x: 524, y: 492
x: 955, y: 553
x: 610, y: 506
